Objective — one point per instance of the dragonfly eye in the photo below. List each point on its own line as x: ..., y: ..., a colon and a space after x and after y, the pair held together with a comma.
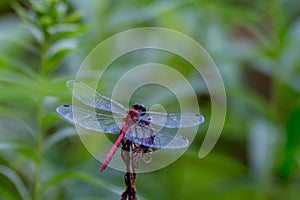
x: 140, y: 107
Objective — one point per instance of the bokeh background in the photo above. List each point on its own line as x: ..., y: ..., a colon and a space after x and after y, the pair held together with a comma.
x: 256, y: 46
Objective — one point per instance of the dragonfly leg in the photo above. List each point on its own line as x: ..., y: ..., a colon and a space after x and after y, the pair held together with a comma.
x: 141, y: 151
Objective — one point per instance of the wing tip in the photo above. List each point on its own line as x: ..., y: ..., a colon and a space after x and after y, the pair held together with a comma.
x: 70, y: 84
x: 187, y: 142
x: 59, y: 108
x: 201, y: 119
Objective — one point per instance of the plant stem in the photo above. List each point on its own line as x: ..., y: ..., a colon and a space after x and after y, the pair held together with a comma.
x: 43, y: 63
x: 40, y: 134
x: 39, y: 150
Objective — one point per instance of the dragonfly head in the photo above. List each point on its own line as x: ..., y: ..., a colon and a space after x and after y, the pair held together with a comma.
x: 132, y: 116
x: 140, y: 108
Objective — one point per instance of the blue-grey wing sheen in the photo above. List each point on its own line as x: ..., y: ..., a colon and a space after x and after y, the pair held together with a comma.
x: 175, y: 120
x: 147, y: 136
x: 88, y: 119
x: 92, y: 98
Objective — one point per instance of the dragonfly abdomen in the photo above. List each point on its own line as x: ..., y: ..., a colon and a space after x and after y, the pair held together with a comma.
x: 114, y: 148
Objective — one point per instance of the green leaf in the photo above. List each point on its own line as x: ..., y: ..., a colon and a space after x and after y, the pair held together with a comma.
x: 27, y: 16
x: 15, y: 179
x: 19, y: 117
x: 64, y: 28
x: 63, y: 31
x: 292, y: 145
x: 57, y: 52
x: 59, y: 136
x: 73, y: 17
x: 48, y: 120
x: 262, y: 148
x: 80, y: 176
x: 9, y: 65
x: 7, y: 195
x: 60, y: 10
x: 250, y: 99
x: 36, y: 32
x: 41, y: 6
x: 46, y: 21
x: 26, y: 151
x: 57, y: 58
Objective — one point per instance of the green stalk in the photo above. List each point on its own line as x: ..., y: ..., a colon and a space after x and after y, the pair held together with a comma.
x: 275, y: 87
x: 39, y: 149
x: 40, y: 133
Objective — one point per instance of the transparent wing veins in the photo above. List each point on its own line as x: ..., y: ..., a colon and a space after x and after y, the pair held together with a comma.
x: 175, y: 120
x: 89, y: 120
x: 92, y: 98
x: 148, y: 136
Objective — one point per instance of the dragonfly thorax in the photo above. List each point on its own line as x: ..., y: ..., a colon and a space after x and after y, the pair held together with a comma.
x: 132, y: 116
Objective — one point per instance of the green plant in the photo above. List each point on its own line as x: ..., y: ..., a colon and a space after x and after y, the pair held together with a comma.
x: 29, y: 91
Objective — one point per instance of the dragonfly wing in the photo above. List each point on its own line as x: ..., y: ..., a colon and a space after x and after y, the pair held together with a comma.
x: 147, y: 136
x: 167, y: 140
x: 92, y: 98
x: 88, y: 119
x: 174, y: 120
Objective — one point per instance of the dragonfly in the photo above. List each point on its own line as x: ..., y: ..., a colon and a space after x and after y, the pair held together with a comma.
x: 136, y: 121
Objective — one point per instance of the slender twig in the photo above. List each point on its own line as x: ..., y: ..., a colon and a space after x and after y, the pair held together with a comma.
x: 130, y: 175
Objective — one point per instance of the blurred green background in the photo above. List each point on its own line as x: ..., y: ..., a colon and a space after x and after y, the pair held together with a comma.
x: 256, y: 46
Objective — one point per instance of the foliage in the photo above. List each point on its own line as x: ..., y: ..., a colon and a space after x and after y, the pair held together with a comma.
x: 256, y: 47
x: 28, y: 131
